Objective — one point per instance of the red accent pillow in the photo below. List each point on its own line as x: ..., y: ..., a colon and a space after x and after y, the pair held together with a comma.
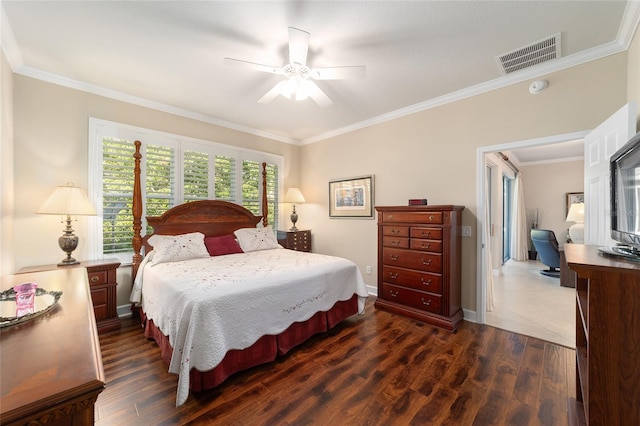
x: 226, y: 244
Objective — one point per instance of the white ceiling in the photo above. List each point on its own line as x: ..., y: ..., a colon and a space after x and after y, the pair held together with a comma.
x: 418, y: 54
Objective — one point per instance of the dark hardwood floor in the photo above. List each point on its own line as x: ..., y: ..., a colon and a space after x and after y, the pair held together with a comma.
x: 375, y: 369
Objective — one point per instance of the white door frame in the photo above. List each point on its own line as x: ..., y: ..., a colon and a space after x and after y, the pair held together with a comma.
x: 481, y: 290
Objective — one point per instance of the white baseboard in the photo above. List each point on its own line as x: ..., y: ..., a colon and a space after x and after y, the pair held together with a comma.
x: 124, y: 311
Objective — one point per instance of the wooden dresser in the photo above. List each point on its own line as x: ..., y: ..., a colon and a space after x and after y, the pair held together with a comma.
x: 51, y: 365
x: 103, y: 284
x: 419, y: 258
x: 607, y: 338
x: 295, y: 240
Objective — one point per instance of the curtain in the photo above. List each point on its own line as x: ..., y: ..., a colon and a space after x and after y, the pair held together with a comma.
x: 519, y: 226
x: 488, y: 263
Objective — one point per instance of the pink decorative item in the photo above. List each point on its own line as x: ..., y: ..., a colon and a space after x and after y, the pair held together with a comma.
x: 25, y: 298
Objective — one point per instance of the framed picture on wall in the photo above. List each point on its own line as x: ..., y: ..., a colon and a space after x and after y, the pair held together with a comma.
x: 351, y: 198
x: 572, y: 198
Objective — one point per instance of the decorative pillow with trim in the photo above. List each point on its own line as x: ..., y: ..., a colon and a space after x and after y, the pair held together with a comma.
x: 254, y: 239
x: 172, y: 248
x: 225, y: 244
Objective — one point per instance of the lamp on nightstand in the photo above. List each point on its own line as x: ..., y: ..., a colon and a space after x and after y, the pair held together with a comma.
x: 68, y: 200
x: 294, y: 196
x: 576, y: 214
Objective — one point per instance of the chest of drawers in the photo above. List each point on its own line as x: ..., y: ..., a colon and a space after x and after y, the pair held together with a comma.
x: 419, y: 258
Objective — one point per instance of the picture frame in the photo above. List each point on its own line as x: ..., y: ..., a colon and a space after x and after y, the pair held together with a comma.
x: 351, y: 198
x: 572, y: 198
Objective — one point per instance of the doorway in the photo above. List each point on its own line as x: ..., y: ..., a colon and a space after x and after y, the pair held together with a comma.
x: 485, y: 272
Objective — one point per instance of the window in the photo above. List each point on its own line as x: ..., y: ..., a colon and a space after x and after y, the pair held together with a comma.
x: 174, y: 170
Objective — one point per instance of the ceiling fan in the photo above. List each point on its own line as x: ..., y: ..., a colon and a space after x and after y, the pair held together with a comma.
x: 298, y: 75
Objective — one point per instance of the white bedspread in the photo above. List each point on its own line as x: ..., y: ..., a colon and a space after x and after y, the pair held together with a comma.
x: 209, y: 306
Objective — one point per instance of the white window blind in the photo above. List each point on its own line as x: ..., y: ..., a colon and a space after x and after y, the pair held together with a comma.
x: 174, y: 170
x: 117, y: 187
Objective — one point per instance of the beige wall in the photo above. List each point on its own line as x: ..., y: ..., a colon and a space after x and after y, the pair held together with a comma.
x: 545, y: 188
x: 432, y: 154
x: 6, y: 167
x: 51, y: 133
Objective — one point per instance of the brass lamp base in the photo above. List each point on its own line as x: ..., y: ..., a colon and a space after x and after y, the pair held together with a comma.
x: 68, y: 242
x: 294, y: 219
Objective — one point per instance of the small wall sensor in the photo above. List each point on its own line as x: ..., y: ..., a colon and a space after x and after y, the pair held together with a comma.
x: 538, y: 86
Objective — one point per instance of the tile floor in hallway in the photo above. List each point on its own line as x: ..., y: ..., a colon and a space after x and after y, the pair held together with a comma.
x: 529, y: 303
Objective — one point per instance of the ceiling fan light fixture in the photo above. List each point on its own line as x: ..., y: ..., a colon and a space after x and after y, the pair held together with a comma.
x: 297, y: 73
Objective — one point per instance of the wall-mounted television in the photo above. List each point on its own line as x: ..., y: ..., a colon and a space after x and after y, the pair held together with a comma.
x: 625, y: 200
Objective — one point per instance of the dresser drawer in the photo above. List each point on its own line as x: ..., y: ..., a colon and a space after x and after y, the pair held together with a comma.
x: 423, y: 261
x: 434, y: 246
x: 396, y: 231
x: 427, y: 233
x: 416, y: 299
x: 413, y: 217
x: 98, y: 277
x: 398, y: 242
x: 99, y: 296
x: 407, y: 278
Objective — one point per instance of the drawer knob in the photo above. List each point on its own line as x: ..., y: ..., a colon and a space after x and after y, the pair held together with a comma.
x: 426, y: 262
x: 393, y: 276
x: 431, y: 217
x: 426, y: 234
x: 428, y: 282
x: 390, y: 216
x: 395, y: 243
x: 395, y: 231
x: 393, y: 293
x: 95, y: 278
x: 426, y: 302
x: 425, y: 246
x: 394, y: 256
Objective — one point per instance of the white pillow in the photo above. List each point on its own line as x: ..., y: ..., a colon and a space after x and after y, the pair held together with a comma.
x: 254, y: 239
x: 172, y: 248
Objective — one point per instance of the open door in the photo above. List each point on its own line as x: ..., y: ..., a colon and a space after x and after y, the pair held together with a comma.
x: 599, y: 145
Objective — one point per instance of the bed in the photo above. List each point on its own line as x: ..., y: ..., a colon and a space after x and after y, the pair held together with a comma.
x: 219, y: 295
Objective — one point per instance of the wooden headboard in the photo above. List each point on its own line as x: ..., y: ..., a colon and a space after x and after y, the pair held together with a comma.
x: 211, y: 217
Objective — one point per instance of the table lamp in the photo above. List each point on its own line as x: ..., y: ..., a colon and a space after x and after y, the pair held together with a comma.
x: 68, y: 200
x: 294, y: 195
x: 576, y: 214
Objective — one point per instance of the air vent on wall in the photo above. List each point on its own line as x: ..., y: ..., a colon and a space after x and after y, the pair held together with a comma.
x: 531, y: 55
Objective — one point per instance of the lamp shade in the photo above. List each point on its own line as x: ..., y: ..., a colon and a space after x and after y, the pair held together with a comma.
x: 576, y: 213
x: 294, y: 195
x: 68, y: 200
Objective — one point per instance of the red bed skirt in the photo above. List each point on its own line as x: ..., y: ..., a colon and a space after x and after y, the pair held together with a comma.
x: 265, y: 350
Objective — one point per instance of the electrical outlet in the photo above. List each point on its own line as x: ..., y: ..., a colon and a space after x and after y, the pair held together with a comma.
x: 369, y: 269
x: 466, y: 231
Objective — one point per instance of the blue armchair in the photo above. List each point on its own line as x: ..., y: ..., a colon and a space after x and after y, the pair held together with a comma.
x: 546, y: 244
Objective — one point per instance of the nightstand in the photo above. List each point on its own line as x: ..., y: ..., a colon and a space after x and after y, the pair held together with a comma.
x: 102, y: 283
x: 295, y: 240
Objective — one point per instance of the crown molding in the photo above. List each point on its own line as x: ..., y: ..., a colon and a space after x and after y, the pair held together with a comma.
x: 498, y: 83
x: 112, y: 94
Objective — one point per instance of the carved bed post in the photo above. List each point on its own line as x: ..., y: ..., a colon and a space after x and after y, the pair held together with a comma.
x: 136, y: 209
x: 265, y: 204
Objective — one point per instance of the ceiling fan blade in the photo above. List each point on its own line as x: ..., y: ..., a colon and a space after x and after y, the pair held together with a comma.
x: 339, y: 73
x: 278, y: 89
x: 298, y: 46
x: 316, y: 94
x: 253, y: 65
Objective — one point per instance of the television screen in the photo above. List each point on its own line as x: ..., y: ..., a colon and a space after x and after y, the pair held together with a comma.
x: 625, y: 195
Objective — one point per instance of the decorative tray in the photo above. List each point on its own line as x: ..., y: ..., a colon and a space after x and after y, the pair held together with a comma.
x: 43, y: 302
